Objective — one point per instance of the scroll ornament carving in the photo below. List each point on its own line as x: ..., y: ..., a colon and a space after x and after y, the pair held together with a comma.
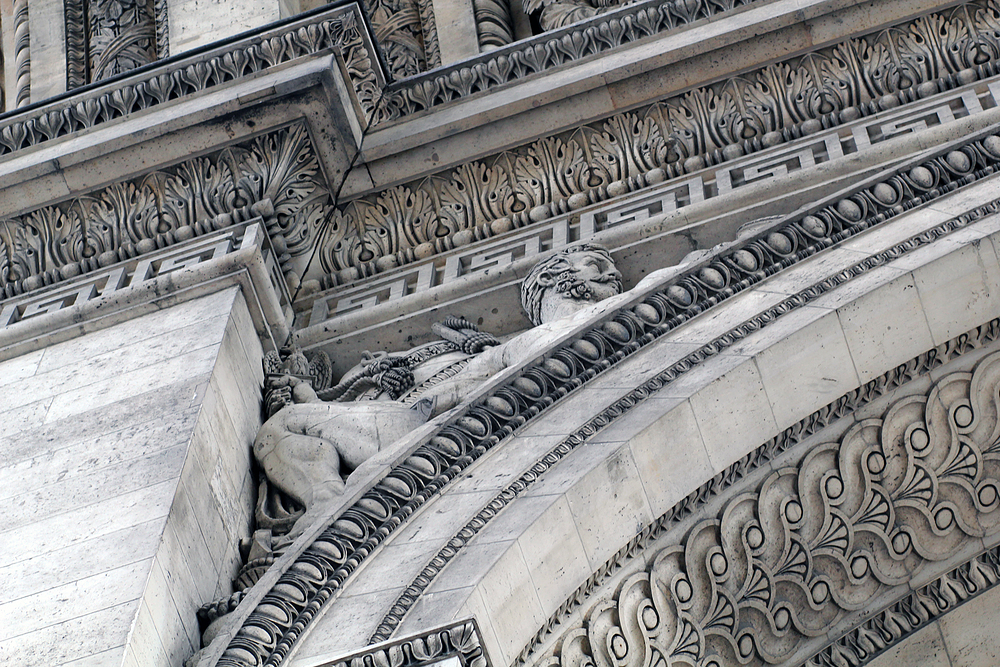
x: 777, y: 566
x: 22, y: 54
x: 459, y: 639
x: 122, y: 36
x: 628, y: 151
x: 399, y: 30
x: 272, y: 628
x: 276, y: 175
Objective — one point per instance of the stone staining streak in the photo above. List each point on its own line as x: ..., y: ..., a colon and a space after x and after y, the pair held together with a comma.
x: 121, y: 36
x: 278, y: 172
x: 679, y: 135
x: 22, y: 54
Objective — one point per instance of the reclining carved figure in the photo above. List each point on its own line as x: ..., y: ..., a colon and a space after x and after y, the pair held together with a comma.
x: 308, y: 445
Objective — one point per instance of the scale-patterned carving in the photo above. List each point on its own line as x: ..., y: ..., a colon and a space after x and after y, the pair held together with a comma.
x: 780, y: 563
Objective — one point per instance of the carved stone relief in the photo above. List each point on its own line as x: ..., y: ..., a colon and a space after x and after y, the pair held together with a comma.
x: 744, y: 114
x: 108, y: 37
x: 336, y: 29
x: 22, y: 55
x: 308, y: 446
x: 277, y: 175
x: 770, y: 571
x: 268, y: 632
x: 494, y: 25
x: 399, y: 29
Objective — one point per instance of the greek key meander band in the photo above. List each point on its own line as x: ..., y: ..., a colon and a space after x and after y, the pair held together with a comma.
x: 269, y: 632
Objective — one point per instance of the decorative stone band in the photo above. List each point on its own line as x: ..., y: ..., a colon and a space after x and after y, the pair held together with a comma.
x: 902, y: 619
x: 461, y: 639
x: 542, y: 52
x: 268, y: 632
x: 455, y: 260
x: 146, y: 267
x: 798, y: 546
x: 669, y: 139
x: 625, y: 404
x: 342, y: 28
x: 275, y: 176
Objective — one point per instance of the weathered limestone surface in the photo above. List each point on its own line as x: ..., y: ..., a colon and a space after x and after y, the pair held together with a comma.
x: 48, y: 49
x: 194, y: 23
x: 966, y: 637
x: 126, y: 481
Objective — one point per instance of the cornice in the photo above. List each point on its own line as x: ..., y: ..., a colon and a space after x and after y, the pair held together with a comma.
x: 342, y: 29
x: 315, y: 574
x: 661, y: 143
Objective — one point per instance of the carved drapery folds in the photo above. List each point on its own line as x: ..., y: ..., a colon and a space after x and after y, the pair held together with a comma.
x: 108, y: 37
x: 276, y: 175
x: 816, y: 540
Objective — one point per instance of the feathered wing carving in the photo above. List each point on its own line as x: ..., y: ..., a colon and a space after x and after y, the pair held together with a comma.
x: 814, y: 540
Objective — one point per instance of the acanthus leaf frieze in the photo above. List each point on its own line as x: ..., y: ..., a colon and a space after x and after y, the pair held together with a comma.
x: 727, y: 121
x: 269, y: 631
x: 276, y: 175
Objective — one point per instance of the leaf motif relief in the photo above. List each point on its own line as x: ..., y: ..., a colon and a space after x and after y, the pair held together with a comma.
x: 471, y: 195
x: 339, y: 242
x: 817, y: 539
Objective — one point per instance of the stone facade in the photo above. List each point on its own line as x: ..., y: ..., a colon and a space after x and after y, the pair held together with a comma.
x: 489, y: 332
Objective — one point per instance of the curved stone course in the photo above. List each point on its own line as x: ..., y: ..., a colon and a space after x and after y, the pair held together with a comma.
x: 269, y: 632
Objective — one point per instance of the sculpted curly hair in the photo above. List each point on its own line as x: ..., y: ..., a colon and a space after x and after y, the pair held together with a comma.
x: 558, y: 273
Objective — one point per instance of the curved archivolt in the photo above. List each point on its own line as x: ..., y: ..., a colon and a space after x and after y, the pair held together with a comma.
x: 814, y: 538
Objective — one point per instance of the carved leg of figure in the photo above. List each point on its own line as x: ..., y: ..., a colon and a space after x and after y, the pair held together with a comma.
x: 306, y: 448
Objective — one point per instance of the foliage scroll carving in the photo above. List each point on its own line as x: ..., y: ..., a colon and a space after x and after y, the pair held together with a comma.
x: 271, y: 629
x: 108, y: 37
x: 778, y: 565
x: 628, y: 151
x: 277, y: 175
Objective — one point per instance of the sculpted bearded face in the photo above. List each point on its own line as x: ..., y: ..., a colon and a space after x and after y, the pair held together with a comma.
x: 569, y: 280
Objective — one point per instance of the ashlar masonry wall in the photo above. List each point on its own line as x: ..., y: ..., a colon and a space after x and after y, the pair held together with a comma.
x: 125, y: 483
